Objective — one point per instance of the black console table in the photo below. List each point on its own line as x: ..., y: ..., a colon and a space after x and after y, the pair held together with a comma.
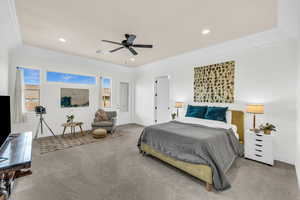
x: 16, y: 155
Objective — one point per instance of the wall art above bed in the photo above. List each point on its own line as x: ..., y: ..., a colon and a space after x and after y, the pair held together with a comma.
x: 214, y: 83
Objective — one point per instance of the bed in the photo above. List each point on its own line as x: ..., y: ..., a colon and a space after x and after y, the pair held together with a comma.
x: 202, y: 158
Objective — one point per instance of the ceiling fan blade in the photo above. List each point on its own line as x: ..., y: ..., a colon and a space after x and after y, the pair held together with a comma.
x: 143, y: 45
x: 117, y: 49
x: 132, y: 51
x: 111, y: 42
x: 130, y: 39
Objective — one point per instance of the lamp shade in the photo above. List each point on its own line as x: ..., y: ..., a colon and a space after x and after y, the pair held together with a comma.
x: 178, y: 104
x: 255, y: 108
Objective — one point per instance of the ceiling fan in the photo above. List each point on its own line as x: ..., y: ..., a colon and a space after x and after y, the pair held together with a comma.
x: 128, y: 44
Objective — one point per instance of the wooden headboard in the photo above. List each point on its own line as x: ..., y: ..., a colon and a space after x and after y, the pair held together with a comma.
x: 237, y: 118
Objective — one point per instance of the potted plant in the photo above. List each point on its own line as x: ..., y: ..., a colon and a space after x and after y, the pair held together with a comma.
x: 267, y: 128
x: 173, y: 116
x: 70, y: 118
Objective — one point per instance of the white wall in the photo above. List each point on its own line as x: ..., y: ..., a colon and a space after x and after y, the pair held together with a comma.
x: 298, y: 119
x: 9, y: 38
x: 3, y: 72
x: 288, y: 17
x: 43, y: 59
x: 289, y: 22
x: 264, y: 74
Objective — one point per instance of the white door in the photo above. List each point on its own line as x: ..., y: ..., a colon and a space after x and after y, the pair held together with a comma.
x: 124, y: 116
x: 161, y: 100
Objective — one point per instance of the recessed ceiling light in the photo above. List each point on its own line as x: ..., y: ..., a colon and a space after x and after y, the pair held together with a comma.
x: 205, y: 31
x: 62, y: 40
x: 132, y: 59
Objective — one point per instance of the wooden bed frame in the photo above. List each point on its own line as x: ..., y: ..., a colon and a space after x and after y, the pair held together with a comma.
x: 202, y: 172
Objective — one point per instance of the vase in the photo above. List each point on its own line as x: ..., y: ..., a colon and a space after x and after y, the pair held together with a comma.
x: 267, y: 132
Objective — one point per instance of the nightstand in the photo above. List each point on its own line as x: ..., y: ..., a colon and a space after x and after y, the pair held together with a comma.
x: 259, y: 147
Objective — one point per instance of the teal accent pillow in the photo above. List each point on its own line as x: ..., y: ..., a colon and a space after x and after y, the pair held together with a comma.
x: 216, y: 113
x: 196, y: 111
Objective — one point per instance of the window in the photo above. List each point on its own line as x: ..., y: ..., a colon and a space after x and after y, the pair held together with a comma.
x: 31, y: 88
x: 70, y: 78
x: 106, y: 92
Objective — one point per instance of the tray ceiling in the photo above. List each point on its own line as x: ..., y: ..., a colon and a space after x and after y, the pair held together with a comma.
x: 172, y: 26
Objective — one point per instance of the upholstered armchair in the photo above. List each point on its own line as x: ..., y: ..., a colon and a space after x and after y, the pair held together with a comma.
x: 107, y: 122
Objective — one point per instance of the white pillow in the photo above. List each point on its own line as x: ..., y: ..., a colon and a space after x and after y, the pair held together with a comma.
x: 228, y: 116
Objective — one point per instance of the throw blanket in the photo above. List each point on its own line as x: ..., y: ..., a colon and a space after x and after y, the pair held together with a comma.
x: 198, y: 144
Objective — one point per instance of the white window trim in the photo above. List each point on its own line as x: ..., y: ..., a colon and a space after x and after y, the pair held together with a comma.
x: 80, y: 74
x: 40, y: 74
x: 111, y: 91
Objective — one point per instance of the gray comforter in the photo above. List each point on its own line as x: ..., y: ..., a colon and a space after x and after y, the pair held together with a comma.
x: 196, y: 144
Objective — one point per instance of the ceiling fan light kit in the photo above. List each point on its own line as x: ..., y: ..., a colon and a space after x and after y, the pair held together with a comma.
x: 127, y: 44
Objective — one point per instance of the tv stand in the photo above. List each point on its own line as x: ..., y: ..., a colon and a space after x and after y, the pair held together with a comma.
x: 17, y: 152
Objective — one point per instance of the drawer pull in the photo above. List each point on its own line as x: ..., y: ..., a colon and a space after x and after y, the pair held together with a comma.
x: 258, y: 150
x: 258, y: 155
x: 258, y: 135
x: 258, y: 140
x: 258, y: 145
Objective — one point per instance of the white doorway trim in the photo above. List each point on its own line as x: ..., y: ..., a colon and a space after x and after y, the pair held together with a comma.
x: 155, y: 106
x: 124, y: 117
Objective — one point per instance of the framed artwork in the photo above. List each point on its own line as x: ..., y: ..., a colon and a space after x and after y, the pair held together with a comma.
x: 214, y: 83
x: 71, y: 97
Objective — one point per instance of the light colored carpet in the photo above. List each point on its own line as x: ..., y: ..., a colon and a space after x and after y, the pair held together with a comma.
x: 114, y: 170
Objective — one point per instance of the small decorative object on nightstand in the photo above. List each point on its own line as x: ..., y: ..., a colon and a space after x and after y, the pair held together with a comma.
x: 259, y: 147
x: 267, y: 128
x: 178, y: 105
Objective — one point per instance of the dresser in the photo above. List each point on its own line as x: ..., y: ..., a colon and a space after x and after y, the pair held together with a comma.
x: 17, y: 153
x: 259, y: 147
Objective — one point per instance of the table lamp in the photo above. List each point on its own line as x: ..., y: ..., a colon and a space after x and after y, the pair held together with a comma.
x: 178, y: 105
x: 255, y: 109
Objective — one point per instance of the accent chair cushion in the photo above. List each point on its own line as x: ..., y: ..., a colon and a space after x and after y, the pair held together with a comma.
x: 101, y: 115
x: 196, y: 111
x: 216, y: 113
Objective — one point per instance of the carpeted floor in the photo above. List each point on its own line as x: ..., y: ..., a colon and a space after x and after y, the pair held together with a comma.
x: 114, y: 170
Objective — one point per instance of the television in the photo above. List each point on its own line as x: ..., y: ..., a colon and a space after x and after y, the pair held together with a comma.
x: 5, y: 123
